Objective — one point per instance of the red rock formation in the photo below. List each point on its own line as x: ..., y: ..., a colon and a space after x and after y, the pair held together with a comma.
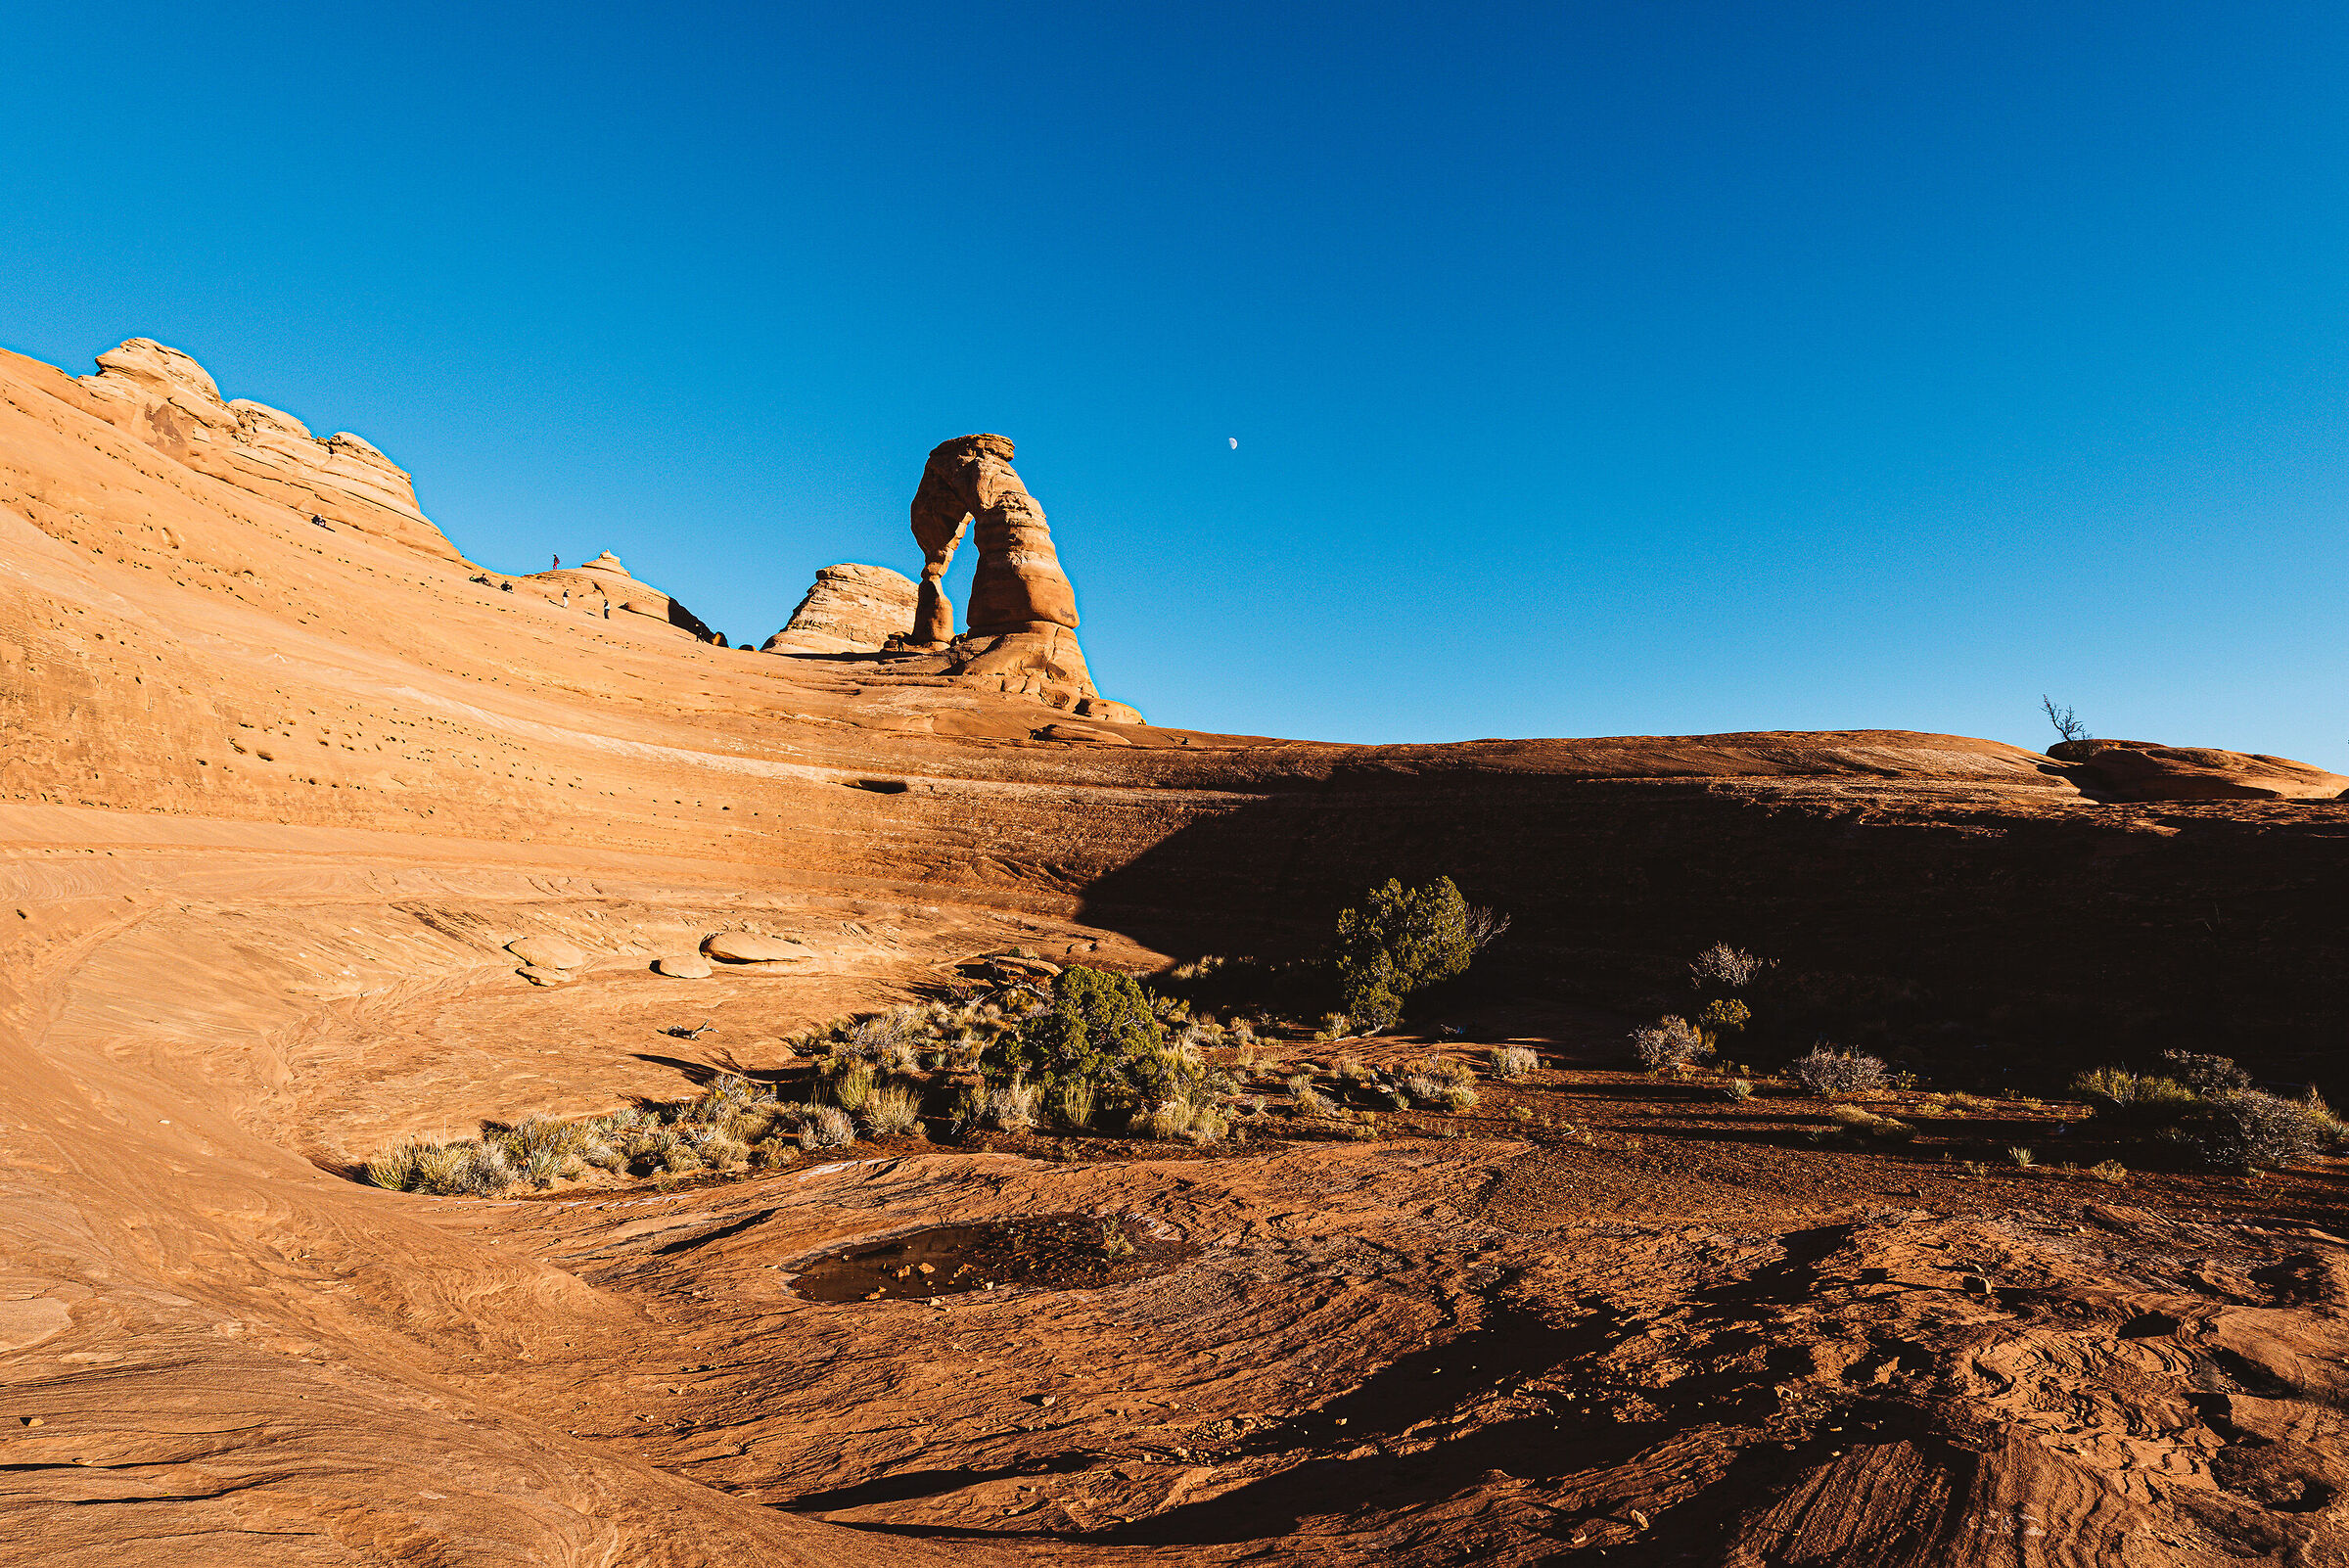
x: 273, y: 801
x: 1023, y: 621
x: 605, y: 588
x: 851, y: 608
x: 2147, y: 771
x: 167, y: 400
x: 1019, y: 586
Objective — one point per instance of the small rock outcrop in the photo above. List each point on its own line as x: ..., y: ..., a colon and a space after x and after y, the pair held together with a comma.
x: 2147, y: 771
x: 692, y: 966
x: 167, y: 400
x: 853, y: 608
x: 605, y: 588
x: 548, y: 953
x: 749, y: 948
x: 1022, y: 636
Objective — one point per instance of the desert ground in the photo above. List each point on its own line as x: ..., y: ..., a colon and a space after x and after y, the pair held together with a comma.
x: 284, y: 775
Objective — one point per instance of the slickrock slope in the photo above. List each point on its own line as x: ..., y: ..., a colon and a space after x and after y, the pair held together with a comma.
x: 274, y: 799
x: 605, y: 588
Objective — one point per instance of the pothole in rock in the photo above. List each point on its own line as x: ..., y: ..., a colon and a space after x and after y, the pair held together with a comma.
x: 1057, y: 1252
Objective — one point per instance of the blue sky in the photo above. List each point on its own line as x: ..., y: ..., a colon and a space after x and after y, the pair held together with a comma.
x: 1597, y: 368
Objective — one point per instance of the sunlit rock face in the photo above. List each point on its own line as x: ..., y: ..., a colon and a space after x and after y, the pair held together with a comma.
x: 166, y: 400
x: 1022, y: 636
x: 851, y: 608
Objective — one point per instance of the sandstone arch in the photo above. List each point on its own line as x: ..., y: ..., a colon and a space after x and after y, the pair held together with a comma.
x: 1019, y: 586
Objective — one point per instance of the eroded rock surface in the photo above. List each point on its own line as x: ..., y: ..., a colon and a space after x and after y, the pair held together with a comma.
x: 269, y: 812
x: 851, y: 608
x: 2147, y: 771
x: 605, y: 588
x: 167, y: 399
x: 1022, y: 639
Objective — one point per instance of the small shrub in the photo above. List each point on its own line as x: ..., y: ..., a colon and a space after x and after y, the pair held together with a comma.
x: 1395, y: 942
x: 1737, y: 1088
x: 2109, y: 1170
x: 1351, y: 1069
x: 1311, y: 1101
x: 851, y: 1081
x: 1669, y: 1044
x: 827, y: 1127
x: 1457, y: 1096
x: 1175, y: 1118
x: 2019, y: 1156
x: 1011, y: 1105
x: 1860, y: 1123
x: 2249, y: 1131
x: 1512, y: 1062
x: 893, y: 1112
x: 1102, y: 1029
x: 1728, y: 1015
x: 1726, y: 966
x: 1073, y: 1103
x: 2125, y: 1097
x: 1827, y: 1071
x: 2205, y: 1074
x: 2332, y: 1132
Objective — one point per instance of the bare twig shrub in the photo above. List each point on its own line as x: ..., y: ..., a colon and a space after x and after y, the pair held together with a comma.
x: 1724, y: 965
x: 2250, y: 1130
x: 1669, y: 1044
x: 1512, y: 1062
x: 827, y: 1127
x: 2205, y: 1073
x: 2067, y: 724
x: 1486, y: 926
x: 1828, y: 1071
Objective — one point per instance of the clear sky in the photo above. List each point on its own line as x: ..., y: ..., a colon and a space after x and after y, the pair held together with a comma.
x: 1597, y: 368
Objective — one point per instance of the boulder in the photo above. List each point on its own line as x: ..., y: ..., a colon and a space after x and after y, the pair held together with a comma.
x: 1037, y: 968
x: 2147, y: 771
x: 540, y: 975
x: 1081, y: 733
x: 853, y: 608
x: 747, y: 948
x: 689, y: 967
x: 548, y: 953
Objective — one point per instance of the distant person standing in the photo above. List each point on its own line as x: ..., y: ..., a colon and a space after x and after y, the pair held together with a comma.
x: 558, y: 566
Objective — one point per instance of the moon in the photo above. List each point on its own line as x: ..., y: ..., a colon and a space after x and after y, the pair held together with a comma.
x: 1235, y: 442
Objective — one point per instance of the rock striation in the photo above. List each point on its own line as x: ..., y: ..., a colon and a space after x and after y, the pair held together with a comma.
x: 2147, y: 771
x: 853, y: 608
x: 166, y: 400
x: 264, y: 805
x: 1022, y: 637
x: 603, y: 587
x: 1018, y: 585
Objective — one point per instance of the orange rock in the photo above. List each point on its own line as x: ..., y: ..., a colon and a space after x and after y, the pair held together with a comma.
x: 1018, y: 585
x: 2147, y: 771
x: 851, y: 608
